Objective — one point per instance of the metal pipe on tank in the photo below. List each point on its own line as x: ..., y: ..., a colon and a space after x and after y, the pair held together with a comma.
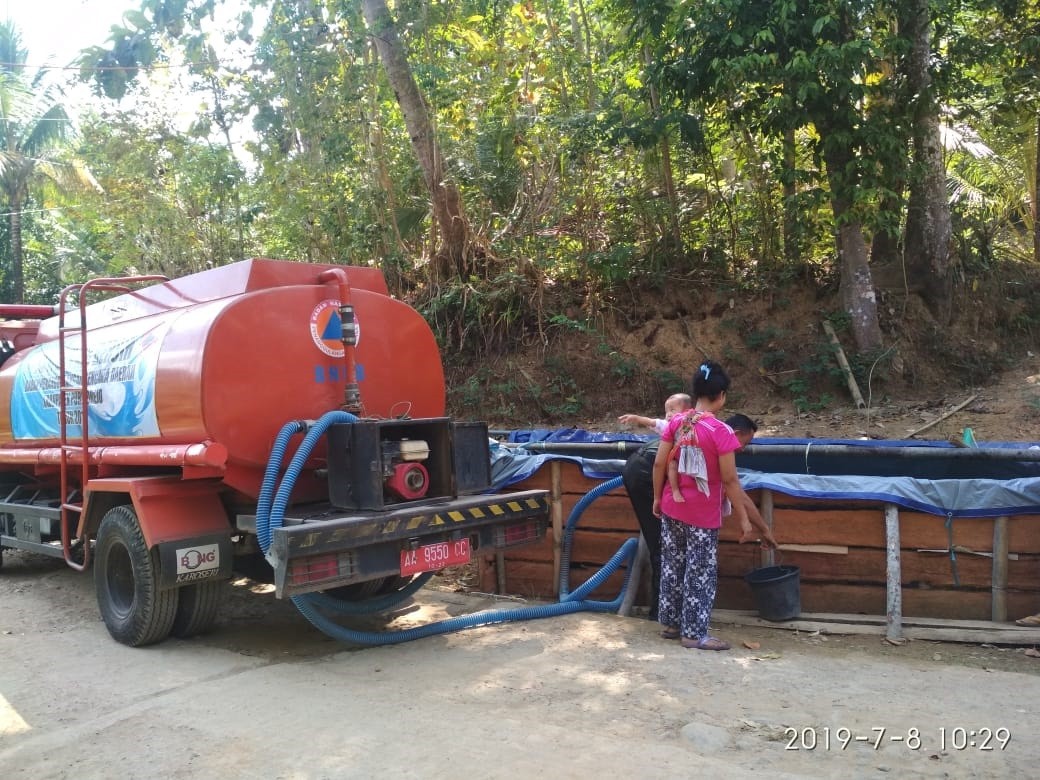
x: 212, y: 454
x: 351, y: 390
x: 27, y: 311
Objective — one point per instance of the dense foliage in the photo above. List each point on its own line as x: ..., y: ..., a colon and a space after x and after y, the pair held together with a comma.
x: 571, y: 144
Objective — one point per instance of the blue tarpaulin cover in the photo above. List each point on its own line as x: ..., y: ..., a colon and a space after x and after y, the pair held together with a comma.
x: 965, y: 497
x: 946, y: 497
x: 510, y: 465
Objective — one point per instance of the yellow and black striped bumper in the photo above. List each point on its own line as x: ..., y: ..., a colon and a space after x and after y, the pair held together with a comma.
x: 332, y: 531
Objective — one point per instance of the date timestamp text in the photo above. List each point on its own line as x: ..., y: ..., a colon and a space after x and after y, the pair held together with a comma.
x: 943, y: 738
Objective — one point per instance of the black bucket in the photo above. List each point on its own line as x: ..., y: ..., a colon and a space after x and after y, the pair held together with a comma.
x: 777, y: 592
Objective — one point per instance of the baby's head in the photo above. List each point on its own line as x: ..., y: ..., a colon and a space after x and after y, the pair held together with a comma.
x: 676, y: 404
x: 744, y: 428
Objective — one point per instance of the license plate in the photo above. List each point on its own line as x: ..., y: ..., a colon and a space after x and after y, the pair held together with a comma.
x: 431, y: 557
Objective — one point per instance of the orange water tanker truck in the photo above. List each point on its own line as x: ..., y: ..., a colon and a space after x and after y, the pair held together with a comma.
x: 278, y: 419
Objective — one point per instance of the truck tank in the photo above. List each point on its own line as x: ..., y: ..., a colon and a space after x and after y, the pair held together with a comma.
x: 275, y: 419
x: 223, y: 357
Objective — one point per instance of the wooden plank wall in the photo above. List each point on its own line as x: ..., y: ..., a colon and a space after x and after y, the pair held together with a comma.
x: 848, y: 578
x: 604, y: 526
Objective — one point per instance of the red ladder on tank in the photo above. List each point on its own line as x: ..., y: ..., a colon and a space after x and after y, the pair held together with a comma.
x: 81, y: 449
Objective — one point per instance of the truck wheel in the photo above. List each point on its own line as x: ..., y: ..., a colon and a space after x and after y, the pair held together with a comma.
x: 126, y: 580
x: 197, y: 607
x: 394, y: 584
x: 358, y: 591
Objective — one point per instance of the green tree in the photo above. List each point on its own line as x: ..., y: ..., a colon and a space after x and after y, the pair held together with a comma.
x: 783, y: 67
x: 34, y: 130
x: 312, y: 111
x: 997, y: 56
x: 309, y: 28
x: 928, y: 227
x: 455, y: 256
x: 171, y: 203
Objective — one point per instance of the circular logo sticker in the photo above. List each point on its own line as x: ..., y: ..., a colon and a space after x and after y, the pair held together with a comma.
x: 327, y: 328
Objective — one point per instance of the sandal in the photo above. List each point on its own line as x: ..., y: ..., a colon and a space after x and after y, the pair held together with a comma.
x: 705, y: 643
x: 1031, y: 620
x: 669, y: 633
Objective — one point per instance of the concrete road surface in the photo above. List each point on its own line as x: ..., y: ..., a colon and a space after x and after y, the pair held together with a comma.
x: 580, y: 696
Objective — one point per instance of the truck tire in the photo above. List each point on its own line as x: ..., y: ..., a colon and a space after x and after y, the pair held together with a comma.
x: 197, y: 607
x: 126, y: 580
x: 394, y: 584
x: 358, y: 591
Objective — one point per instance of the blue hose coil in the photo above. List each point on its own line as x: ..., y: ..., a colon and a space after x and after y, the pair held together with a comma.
x: 272, y: 519
x: 572, y: 522
x: 267, y: 487
x: 369, y: 606
x: 270, y: 515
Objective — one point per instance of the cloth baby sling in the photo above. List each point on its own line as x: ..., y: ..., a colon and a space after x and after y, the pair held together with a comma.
x: 687, y: 453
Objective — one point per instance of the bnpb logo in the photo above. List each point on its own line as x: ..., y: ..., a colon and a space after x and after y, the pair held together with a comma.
x: 327, y: 328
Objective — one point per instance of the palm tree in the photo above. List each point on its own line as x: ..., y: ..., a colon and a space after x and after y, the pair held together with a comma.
x: 33, y: 131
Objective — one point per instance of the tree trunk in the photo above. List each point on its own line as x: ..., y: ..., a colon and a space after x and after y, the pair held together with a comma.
x: 666, y: 166
x: 884, y: 247
x: 220, y: 117
x: 453, y: 257
x: 1033, y: 195
x: 374, y: 134
x: 928, y: 228
x: 583, y: 44
x: 857, y: 286
x: 15, y: 222
x: 792, y: 231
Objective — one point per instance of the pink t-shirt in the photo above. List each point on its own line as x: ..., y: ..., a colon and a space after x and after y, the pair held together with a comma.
x: 715, y: 438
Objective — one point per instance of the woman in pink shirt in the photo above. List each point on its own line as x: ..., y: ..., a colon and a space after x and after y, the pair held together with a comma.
x: 690, y: 529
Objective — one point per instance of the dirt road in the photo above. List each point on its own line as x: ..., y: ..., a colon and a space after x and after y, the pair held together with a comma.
x: 584, y: 695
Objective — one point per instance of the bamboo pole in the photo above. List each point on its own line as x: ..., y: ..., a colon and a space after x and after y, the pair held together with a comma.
x: 942, y: 417
x: 929, y: 629
x: 843, y: 363
x: 998, y: 584
x: 823, y: 549
x: 766, y: 510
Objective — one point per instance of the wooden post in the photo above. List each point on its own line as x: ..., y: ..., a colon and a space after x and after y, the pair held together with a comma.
x: 843, y: 363
x: 998, y: 584
x: 766, y: 510
x: 894, y: 575
x: 500, y: 572
x: 556, y: 504
x: 642, y: 558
